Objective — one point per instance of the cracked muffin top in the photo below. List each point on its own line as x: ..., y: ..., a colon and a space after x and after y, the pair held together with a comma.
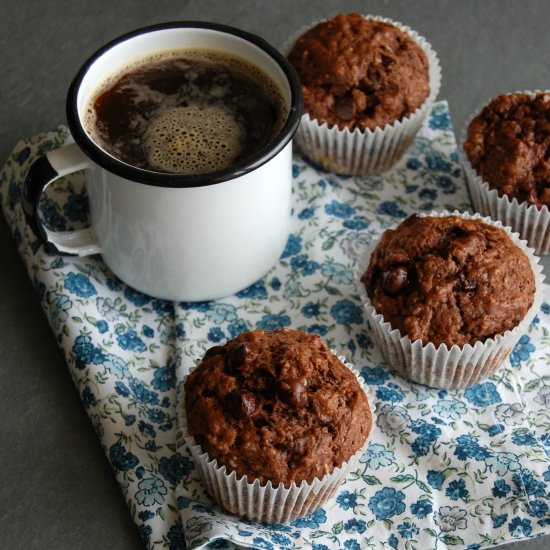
x: 276, y: 405
x: 508, y: 144
x: 449, y: 280
x: 360, y: 73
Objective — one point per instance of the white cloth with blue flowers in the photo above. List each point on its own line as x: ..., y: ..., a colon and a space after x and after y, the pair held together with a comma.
x: 463, y: 469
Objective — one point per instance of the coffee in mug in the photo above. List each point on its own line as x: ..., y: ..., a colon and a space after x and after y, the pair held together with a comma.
x: 186, y: 111
x: 196, y: 226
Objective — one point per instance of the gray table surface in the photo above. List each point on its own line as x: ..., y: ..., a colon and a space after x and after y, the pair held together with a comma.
x: 57, y: 490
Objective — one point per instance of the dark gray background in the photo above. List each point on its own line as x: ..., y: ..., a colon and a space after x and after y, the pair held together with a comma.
x: 57, y: 490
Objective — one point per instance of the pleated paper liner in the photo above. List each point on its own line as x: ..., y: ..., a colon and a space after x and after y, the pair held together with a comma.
x: 357, y: 152
x: 455, y: 366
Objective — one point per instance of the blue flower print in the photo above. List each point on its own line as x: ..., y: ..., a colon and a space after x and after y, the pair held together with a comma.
x: 522, y: 350
x: 311, y: 309
x: 436, y: 479
x: 129, y: 340
x: 121, y: 389
x: 175, y: 468
x: 306, y: 214
x: 337, y: 273
x: 374, y: 375
x: 347, y: 500
x: 437, y: 163
x: 102, y: 326
x: 116, y: 366
x: 317, y: 546
x: 440, y: 120
x: 293, y: 246
x: 482, y: 395
x: 120, y: 459
x: 500, y: 488
x: 469, y: 447
x: 450, y: 408
x: 495, y: 429
x: 58, y: 310
x: 145, y: 532
x: 445, y: 183
x: 85, y: 352
x: 271, y: 321
x: 216, y: 334
x: 358, y: 223
x: 147, y: 331
x: 161, y: 307
x: 428, y: 194
x: 275, y: 283
x: 76, y: 208
x: 387, y: 503
x: 377, y: 456
x: 523, y: 436
x: 303, y: 265
x: 339, y: 209
x: 390, y: 208
x: 355, y: 525
x: 407, y: 530
x: 221, y: 312
x: 345, y: 312
x: 500, y: 520
x: 502, y: 462
x: 151, y: 491
x: 422, y: 508
x: 413, y: 164
x: 52, y: 218
x: 145, y: 515
x: 393, y: 541
x: 526, y: 482
x: 179, y: 330
x: 321, y: 330
x: 146, y: 429
x: 257, y: 291
x: 428, y: 434
x: 88, y: 398
x: 520, y: 527
x: 537, y: 508
x: 156, y: 415
x: 313, y: 521
x: 135, y: 297
x: 237, y: 327
x: 351, y: 545
x: 295, y: 170
x: 164, y: 378
x: 457, y: 490
x: 545, y: 308
x: 281, y: 540
x: 79, y: 284
x: 388, y: 394
x: 176, y: 537
x: 141, y: 393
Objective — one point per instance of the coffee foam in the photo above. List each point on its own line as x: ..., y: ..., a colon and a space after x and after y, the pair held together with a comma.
x: 194, y: 139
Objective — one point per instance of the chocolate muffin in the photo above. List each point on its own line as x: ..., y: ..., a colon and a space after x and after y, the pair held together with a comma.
x: 449, y: 280
x: 358, y: 72
x: 276, y: 406
x: 508, y: 144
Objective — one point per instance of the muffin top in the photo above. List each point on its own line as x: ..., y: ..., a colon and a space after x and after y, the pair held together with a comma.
x: 449, y: 280
x: 276, y: 405
x: 508, y: 144
x: 360, y: 73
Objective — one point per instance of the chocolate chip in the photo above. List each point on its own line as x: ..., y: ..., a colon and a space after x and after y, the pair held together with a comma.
x: 215, y: 350
x: 292, y: 392
x: 241, y: 404
x: 345, y: 108
x: 238, y: 354
x: 396, y: 280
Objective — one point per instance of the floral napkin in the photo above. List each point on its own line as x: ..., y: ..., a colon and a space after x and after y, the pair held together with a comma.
x: 462, y: 469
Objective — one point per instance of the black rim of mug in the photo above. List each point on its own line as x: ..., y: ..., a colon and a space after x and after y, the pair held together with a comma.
x: 164, y: 179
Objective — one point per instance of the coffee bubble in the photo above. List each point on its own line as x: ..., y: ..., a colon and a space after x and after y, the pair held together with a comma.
x: 194, y: 139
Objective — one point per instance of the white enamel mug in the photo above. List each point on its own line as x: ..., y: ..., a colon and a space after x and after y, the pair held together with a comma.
x: 178, y: 237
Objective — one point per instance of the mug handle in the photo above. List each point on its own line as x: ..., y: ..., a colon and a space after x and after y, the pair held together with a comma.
x: 43, y: 171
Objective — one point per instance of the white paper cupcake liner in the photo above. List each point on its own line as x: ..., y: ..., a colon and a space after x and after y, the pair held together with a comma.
x: 268, y: 504
x: 444, y: 367
x: 360, y: 153
x: 532, y: 223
